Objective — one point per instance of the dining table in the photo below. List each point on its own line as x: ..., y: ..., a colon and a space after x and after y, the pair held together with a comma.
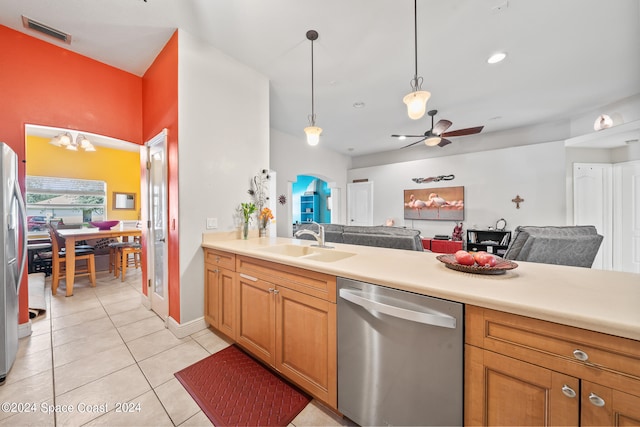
x: 73, y: 235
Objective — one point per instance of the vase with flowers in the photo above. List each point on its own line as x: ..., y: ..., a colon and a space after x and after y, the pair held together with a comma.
x: 246, y: 210
x: 263, y: 220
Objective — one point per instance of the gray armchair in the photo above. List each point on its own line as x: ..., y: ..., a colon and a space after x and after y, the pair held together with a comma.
x: 568, y: 245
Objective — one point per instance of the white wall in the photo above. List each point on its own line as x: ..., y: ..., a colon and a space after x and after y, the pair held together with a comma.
x: 223, y: 142
x: 490, y: 179
x: 292, y: 156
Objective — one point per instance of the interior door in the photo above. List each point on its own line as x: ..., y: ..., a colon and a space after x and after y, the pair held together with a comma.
x: 360, y: 203
x: 592, y: 205
x: 157, y: 269
x: 627, y: 217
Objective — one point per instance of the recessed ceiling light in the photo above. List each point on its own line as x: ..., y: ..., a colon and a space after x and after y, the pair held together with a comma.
x: 496, y: 57
x: 358, y: 104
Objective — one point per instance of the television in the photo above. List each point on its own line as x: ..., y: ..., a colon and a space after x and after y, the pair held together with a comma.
x: 438, y: 203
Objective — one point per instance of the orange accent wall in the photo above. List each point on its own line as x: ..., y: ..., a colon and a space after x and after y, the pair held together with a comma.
x: 160, y: 110
x: 44, y: 84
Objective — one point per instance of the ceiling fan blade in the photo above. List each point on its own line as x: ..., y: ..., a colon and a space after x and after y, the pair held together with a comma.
x: 443, y: 142
x: 408, y: 136
x: 414, y: 143
x: 440, y: 127
x: 463, y: 132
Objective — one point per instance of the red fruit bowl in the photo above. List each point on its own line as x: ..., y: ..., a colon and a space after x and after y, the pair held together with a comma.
x: 104, y: 225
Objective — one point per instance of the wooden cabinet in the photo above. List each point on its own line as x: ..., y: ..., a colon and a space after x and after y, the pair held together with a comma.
x: 492, y: 241
x: 523, y: 371
x: 287, y: 318
x: 220, y: 291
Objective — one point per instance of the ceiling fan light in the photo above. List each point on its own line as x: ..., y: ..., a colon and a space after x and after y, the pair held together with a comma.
x: 65, y: 139
x: 313, y: 135
x: 90, y: 147
x: 416, y: 103
x: 55, y: 141
x: 82, y: 141
x: 72, y: 147
x: 432, y: 141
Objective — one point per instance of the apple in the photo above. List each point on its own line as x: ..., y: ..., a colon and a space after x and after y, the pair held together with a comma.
x: 478, y: 254
x: 464, y: 258
x: 486, y: 260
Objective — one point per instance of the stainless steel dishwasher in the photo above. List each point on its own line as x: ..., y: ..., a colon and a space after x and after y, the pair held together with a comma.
x: 400, y: 357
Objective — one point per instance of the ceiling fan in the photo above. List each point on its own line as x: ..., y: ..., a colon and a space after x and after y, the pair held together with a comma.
x: 437, y: 135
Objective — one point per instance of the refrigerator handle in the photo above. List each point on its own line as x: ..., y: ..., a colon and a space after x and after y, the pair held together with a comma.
x: 434, y: 318
x: 23, y: 214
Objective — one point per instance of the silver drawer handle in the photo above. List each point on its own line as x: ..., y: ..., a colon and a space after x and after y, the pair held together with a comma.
x: 246, y: 276
x: 596, y: 400
x: 568, y: 391
x: 276, y: 292
x: 580, y: 355
x: 271, y: 290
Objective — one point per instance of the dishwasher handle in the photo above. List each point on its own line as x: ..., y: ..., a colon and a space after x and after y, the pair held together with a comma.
x: 435, y: 318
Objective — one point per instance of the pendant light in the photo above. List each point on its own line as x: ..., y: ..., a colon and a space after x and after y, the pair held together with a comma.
x: 313, y: 132
x: 416, y: 100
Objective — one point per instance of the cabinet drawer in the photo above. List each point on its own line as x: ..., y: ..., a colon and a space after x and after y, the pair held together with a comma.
x: 319, y: 285
x: 219, y: 258
x: 576, y: 351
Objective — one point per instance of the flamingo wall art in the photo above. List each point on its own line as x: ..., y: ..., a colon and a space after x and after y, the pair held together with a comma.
x: 443, y: 203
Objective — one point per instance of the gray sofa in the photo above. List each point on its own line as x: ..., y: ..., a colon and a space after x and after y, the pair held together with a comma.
x: 376, y: 235
x: 568, y: 245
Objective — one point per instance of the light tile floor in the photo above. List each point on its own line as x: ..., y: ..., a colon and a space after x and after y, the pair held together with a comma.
x: 101, y: 358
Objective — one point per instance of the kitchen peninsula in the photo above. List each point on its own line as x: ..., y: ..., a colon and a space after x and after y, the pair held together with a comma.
x: 552, y: 326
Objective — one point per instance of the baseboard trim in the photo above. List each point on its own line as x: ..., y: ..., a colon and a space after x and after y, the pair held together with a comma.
x: 181, y: 330
x: 146, y: 302
x: 24, y: 329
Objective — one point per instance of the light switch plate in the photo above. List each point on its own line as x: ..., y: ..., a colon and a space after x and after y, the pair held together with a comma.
x: 212, y: 223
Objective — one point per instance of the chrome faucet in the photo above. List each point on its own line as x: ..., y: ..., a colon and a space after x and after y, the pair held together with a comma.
x: 319, y: 236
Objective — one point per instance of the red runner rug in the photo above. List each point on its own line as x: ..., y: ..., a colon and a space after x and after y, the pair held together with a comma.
x: 231, y: 388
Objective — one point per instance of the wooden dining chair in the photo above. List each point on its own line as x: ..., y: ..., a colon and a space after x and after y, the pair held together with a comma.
x: 58, y: 261
x: 127, y: 256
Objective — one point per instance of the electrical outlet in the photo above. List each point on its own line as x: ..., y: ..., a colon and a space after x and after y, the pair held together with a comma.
x: 212, y: 223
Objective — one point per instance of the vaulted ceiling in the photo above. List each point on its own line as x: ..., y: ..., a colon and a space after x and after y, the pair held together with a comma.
x: 564, y: 57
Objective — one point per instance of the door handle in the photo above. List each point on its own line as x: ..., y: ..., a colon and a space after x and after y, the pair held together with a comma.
x: 434, y: 318
x: 23, y: 213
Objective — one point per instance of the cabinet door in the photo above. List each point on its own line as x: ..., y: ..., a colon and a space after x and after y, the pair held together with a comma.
x: 211, y: 295
x: 500, y: 390
x: 603, y: 406
x: 227, y: 299
x: 256, y: 317
x: 306, y: 343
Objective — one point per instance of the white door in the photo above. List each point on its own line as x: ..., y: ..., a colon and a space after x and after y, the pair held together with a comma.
x: 157, y: 259
x: 360, y: 203
x: 592, y: 205
x: 626, y: 252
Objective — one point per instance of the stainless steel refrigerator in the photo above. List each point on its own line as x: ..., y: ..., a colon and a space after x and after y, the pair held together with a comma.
x: 13, y: 255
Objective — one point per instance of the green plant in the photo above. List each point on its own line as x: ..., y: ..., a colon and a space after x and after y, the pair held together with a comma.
x: 247, y: 209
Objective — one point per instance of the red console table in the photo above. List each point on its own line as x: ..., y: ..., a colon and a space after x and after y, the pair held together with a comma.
x: 442, y: 246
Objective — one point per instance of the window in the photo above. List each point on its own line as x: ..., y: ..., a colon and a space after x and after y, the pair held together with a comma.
x: 72, y: 200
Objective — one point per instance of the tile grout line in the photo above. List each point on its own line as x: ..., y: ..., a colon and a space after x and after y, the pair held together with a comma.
x: 136, y: 361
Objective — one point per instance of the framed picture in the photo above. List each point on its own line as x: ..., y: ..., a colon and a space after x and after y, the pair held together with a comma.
x: 442, y: 203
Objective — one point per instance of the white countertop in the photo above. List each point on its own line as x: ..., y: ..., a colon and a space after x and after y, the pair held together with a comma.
x: 602, y: 301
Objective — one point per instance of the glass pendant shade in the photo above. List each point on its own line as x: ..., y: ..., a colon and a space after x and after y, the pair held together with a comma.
x: 417, y: 103
x: 313, y: 134
x: 432, y: 140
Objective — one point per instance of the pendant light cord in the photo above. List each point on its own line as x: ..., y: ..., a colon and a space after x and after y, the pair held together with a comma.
x: 313, y: 110
x: 416, y: 82
x: 415, y: 36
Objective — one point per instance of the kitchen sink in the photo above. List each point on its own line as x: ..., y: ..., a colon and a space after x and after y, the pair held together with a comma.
x: 308, y: 252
